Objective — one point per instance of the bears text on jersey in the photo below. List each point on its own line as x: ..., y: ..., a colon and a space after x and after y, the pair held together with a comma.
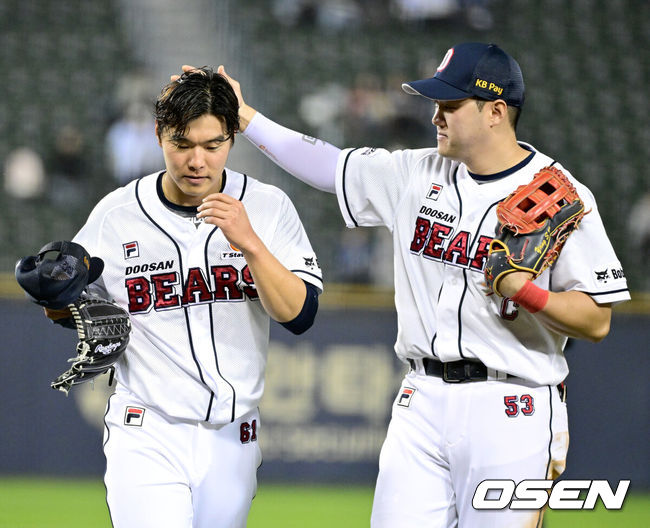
x: 433, y: 240
x: 161, y: 291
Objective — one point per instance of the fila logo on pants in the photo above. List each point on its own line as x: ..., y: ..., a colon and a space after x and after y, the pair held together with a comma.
x: 405, y: 397
x: 134, y: 416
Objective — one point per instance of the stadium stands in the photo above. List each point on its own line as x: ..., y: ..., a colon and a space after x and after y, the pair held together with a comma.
x: 586, y: 64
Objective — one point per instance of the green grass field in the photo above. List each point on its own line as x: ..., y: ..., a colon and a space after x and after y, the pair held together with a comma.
x: 68, y: 503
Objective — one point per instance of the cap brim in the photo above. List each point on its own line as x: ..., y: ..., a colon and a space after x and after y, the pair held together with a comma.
x: 435, y: 89
x: 95, y: 270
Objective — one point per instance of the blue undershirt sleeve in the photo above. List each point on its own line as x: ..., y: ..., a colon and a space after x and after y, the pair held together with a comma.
x: 305, y: 319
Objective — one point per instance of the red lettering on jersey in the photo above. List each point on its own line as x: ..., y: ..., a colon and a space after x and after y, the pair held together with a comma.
x: 512, y: 409
x: 514, y: 404
x: 528, y: 404
x: 225, y: 280
x: 138, y: 290
x: 432, y: 241
x: 458, y: 247
x: 435, y: 248
x: 478, y: 262
x: 161, y: 290
x: 196, y: 288
x: 248, y: 432
x: 508, y: 309
x: 247, y: 277
x: 164, y: 291
x: 422, y: 228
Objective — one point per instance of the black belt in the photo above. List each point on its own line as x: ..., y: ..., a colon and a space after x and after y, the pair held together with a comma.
x: 464, y: 370
x: 454, y: 371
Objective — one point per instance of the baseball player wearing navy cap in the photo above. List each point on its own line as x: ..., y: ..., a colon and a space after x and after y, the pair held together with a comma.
x: 202, y: 257
x: 473, y: 70
x: 481, y: 399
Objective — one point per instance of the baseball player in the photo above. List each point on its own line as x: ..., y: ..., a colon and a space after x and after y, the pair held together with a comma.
x: 202, y: 257
x: 482, y: 398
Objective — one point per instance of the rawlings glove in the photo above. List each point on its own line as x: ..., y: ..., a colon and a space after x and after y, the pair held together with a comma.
x: 56, y: 278
x: 534, y: 223
x: 103, y: 329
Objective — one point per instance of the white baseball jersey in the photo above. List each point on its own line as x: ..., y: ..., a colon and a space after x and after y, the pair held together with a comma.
x: 198, y: 348
x: 442, y: 220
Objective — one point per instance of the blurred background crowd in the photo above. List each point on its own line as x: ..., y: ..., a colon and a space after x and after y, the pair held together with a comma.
x: 81, y: 77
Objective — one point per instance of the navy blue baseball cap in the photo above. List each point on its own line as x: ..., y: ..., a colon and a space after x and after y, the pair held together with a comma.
x: 57, y: 275
x: 473, y: 69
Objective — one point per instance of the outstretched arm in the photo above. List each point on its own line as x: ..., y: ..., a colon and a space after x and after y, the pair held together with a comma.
x: 311, y: 160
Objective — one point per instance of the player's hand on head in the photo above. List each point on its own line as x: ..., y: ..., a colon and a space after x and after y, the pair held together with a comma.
x: 186, y: 68
x: 229, y: 215
x: 246, y: 112
x: 235, y: 85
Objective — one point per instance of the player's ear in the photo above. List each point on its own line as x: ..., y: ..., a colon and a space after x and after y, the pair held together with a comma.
x: 498, y: 112
x: 157, y: 130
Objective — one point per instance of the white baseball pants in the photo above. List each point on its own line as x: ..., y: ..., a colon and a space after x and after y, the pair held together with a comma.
x: 168, y: 473
x: 444, y: 439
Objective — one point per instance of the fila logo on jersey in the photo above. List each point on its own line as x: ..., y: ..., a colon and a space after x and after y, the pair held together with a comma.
x: 405, y: 397
x: 131, y: 250
x: 134, y: 416
x: 434, y: 192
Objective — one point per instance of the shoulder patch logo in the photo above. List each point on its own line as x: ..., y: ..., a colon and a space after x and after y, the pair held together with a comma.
x: 434, y: 191
x: 609, y: 273
x: 602, y: 276
x: 310, y: 262
x: 131, y: 250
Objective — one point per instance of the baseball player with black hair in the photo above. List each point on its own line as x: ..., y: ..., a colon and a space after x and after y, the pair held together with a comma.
x: 482, y: 326
x: 201, y: 257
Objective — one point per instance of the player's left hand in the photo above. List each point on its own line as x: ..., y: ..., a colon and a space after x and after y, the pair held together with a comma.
x: 534, y: 222
x: 229, y: 215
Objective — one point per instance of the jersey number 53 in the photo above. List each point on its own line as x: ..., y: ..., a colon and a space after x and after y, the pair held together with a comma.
x: 515, y: 404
